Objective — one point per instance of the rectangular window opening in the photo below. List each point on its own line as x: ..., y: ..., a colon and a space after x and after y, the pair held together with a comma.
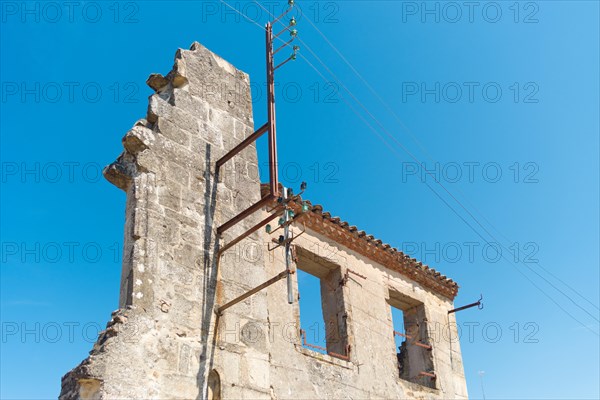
x: 413, y: 350
x: 322, y: 310
x: 311, y: 312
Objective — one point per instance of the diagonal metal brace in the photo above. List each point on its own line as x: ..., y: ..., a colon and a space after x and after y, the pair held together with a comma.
x: 346, y: 277
x: 257, y: 289
x: 250, y: 231
x: 249, y: 140
x: 250, y: 210
x: 289, y: 240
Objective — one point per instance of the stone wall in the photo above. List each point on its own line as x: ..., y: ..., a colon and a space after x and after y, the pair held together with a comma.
x: 165, y: 340
x: 158, y: 344
x: 372, y: 371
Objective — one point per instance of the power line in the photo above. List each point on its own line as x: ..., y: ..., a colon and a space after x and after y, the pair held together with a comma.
x: 460, y: 216
x: 439, y: 183
x: 371, y: 89
x: 454, y: 211
x: 449, y: 193
x: 387, y: 106
x: 242, y: 14
x: 424, y: 169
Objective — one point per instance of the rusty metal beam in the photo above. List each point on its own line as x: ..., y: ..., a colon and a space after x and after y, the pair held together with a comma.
x: 402, y: 334
x: 283, y: 63
x: 250, y: 139
x: 423, y: 345
x: 250, y: 210
x: 348, y: 270
x: 330, y: 353
x: 257, y: 289
x: 286, y: 242
x: 477, y: 303
x: 346, y: 277
x: 416, y: 343
x: 305, y: 343
x: 343, y: 357
x: 282, y: 15
x: 283, y: 46
x: 250, y: 231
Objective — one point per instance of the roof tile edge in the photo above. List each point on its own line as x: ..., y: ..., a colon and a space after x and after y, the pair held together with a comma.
x: 367, y: 245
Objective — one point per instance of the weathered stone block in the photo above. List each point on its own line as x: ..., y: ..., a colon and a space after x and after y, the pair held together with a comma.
x: 173, y: 132
x: 166, y: 340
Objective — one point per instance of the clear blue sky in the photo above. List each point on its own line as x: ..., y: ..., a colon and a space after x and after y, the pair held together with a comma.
x: 475, y: 92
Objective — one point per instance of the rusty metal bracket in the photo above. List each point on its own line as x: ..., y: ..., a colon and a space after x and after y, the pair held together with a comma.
x: 346, y: 277
x: 278, y: 277
x: 423, y: 345
x: 416, y: 343
x: 290, y: 6
x: 288, y: 223
x: 249, y: 232
x: 478, y: 303
x: 250, y: 210
x: 291, y: 199
x: 292, y: 57
x: 345, y: 357
x: 286, y: 241
x: 245, y: 143
x: 283, y: 45
x: 429, y: 374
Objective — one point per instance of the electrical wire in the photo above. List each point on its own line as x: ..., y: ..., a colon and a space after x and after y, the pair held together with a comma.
x: 388, y: 107
x: 423, y: 167
x: 439, y: 183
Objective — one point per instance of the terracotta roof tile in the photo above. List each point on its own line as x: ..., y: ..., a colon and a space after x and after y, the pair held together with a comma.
x: 389, y: 256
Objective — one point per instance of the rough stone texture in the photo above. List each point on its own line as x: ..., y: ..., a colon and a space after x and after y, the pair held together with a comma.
x: 372, y: 371
x: 165, y: 340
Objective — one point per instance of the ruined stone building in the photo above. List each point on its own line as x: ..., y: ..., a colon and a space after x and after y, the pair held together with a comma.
x: 167, y: 342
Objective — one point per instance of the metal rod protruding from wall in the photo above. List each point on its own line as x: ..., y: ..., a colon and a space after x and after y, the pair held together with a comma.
x: 477, y: 303
x: 248, y: 141
x: 257, y: 289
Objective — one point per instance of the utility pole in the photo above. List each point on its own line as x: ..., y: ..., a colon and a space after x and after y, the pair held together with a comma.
x: 283, y: 199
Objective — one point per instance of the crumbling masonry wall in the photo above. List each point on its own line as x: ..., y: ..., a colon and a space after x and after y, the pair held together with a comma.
x: 165, y: 340
x: 158, y: 343
x: 372, y: 369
